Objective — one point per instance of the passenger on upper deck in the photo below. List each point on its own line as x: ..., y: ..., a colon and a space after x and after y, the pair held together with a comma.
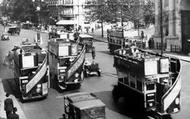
x: 134, y: 51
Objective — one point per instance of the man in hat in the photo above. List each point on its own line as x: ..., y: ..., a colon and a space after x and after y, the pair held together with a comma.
x: 14, y: 115
x: 8, y: 105
x: 93, y: 53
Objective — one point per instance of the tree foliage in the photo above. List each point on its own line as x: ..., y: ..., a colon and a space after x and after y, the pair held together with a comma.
x: 136, y: 11
x: 149, y: 12
x: 99, y: 12
x: 25, y: 10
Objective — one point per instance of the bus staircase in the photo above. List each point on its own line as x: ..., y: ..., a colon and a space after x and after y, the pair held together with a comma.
x: 78, y: 61
x: 37, y: 76
x: 170, y: 101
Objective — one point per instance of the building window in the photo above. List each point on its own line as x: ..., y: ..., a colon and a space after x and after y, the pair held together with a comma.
x: 68, y: 1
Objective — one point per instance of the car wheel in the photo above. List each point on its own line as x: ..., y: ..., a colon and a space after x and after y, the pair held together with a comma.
x: 99, y: 73
x: 85, y: 74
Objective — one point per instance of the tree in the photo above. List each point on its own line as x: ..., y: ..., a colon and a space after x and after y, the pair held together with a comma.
x: 136, y: 11
x: 149, y: 12
x: 22, y: 10
x: 99, y: 12
x: 25, y: 10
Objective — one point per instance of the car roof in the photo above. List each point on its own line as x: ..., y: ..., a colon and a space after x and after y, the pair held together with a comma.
x: 5, y: 34
x: 89, y: 104
x: 82, y: 96
x: 85, y: 36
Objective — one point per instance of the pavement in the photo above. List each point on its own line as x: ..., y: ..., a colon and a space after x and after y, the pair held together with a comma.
x: 182, y: 57
x: 15, y: 102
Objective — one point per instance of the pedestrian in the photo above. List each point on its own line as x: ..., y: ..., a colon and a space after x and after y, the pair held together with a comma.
x: 8, y: 105
x: 93, y: 52
x: 76, y: 35
x: 142, y: 35
x: 14, y: 115
x: 79, y: 28
x: 87, y: 29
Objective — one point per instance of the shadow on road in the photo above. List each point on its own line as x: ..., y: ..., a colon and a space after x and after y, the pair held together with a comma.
x: 124, y: 106
x: 11, y: 87
x: 105, y: 52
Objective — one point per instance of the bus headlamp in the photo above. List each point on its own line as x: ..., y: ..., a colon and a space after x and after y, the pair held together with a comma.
x: 76, y: 80
x: 38, y: 90
x: 76, y: 75
x: 39, y: 86
x: 62, y: 77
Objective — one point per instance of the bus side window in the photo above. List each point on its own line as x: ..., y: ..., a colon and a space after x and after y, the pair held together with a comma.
x: 139, y: 85
x: 126, y: 80
x: 120, y: 80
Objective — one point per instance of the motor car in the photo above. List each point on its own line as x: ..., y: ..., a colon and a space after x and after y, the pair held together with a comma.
x: 5, y: 36
x: 83, y: 105
x: 86, y: 40
x: 91, y: 68
x: 14, y: 30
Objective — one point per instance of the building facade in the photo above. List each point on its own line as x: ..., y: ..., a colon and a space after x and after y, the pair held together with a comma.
x: 175, y: 25
x: 75, y: 11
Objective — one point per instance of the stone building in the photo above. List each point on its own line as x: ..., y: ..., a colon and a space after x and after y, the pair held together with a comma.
x: 175, y: 25
x: 71, y: 11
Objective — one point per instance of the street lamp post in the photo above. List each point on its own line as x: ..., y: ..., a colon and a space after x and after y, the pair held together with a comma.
x: 38, y: 9
x: 161, y: 27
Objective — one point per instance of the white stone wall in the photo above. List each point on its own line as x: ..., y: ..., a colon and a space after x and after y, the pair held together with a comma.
x: 172, y: 8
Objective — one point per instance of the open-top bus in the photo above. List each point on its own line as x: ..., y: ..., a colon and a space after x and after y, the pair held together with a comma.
x: 148, y: 80
x: 66, y: 60
x: 31, y: 71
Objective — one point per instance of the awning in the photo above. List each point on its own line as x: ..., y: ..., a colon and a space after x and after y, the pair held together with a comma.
x: 66, y: 22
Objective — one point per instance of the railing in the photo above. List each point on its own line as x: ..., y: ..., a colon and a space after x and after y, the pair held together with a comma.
x: 175, y: 48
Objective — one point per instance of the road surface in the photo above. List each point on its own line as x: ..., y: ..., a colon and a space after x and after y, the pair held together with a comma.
x: 52, y: 107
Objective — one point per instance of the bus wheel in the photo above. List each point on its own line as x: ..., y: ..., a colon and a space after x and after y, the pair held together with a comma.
x: 22, y: 99
x: 61, y: 88
x: 158, y: 116
x: 115, y: 94
x: 85, y: 74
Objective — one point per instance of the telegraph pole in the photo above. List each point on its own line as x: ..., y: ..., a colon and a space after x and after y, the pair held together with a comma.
x: 161, y: 28
x: 122, y: 20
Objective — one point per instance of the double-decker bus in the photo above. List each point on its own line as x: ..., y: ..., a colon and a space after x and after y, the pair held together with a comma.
x: 115, y: 39
x: 119, y: 39
x: 149, y: 80
x: 87, y: 40
x: 31, y: 71
x: 66, y: 60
